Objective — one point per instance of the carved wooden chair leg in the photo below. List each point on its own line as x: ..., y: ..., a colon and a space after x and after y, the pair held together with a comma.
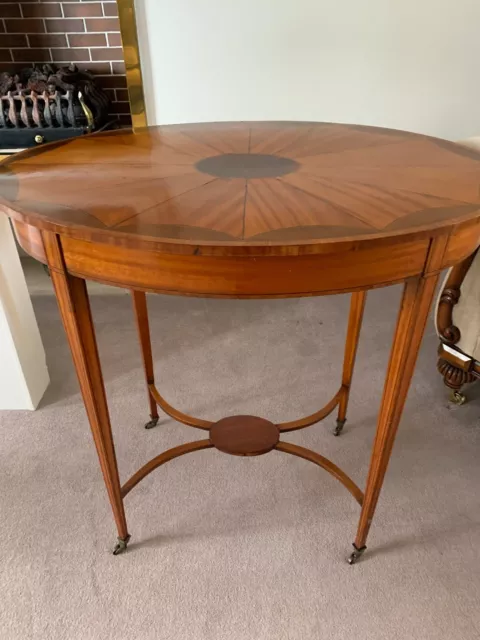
x: 141, y: 315
x: 454, y: 378
x: 357, y: 307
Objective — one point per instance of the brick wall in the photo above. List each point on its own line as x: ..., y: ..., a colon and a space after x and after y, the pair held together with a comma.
x: 84, y: 32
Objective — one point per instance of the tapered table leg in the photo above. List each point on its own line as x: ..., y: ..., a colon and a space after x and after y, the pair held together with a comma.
x: 357, y: 307
x: 141, y: 314
x: 72, y: 298
x: 415, y: 305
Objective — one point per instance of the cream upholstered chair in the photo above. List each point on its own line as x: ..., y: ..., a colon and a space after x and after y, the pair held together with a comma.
x: 458, y: 321
x: 458, y: 326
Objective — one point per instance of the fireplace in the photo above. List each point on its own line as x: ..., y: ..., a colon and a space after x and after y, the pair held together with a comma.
x: 47, y: 103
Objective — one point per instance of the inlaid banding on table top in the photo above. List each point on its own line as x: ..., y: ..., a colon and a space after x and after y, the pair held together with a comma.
x: 245, y: 183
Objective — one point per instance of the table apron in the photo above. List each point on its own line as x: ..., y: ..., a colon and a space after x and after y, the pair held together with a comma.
x: 364, y: 266
x: 245, y: 276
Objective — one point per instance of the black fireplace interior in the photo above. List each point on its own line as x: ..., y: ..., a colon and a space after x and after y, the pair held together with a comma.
x: 47, y: 103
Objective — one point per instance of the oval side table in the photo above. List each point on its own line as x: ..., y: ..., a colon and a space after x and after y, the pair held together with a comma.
x: 246, y: 210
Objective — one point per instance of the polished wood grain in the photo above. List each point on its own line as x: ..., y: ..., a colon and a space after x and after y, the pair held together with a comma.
x: 75, y: 311
x: 30, y: 239
x: 164, y: 457
x: 247, y: 210
x: 184, y: 418
x: 243, y: 185
x: 449, y: 298
x: 456, y: 372
x: 384, y: 262
x: 463, y: 241
x: 355, y: 318
x: 415, y: 306
x: 244, y: 435
x: 321, y: 461
x: 139, y: 300
x: 301, y: 423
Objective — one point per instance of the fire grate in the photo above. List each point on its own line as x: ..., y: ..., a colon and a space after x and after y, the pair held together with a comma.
x: 47, y: 103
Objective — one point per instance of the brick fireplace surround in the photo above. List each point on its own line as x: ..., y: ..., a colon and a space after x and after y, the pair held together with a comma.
x: 84, y: 32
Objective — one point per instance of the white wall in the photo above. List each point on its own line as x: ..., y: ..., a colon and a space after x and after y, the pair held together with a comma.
x: 23, y: 370
x: 409, y: 64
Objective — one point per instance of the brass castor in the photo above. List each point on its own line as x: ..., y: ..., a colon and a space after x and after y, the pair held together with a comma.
x: 152, y: 423
x: 356, y: 554
x: 121, y: 546
x: 339, y: 428
x: 457, y: 398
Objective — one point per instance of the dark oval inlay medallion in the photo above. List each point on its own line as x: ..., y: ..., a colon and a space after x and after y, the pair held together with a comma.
x: 246, y: 165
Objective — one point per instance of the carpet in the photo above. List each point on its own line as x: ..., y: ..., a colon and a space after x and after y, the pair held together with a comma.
x: 227, y: 548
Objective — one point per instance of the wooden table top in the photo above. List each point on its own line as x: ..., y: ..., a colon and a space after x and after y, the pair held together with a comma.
x: 244, y: 184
